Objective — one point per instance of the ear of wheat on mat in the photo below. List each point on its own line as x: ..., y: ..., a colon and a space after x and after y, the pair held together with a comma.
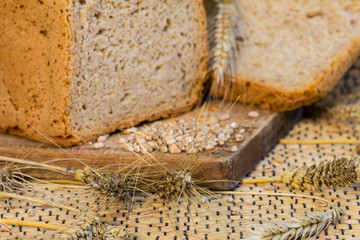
x: 339, y: 172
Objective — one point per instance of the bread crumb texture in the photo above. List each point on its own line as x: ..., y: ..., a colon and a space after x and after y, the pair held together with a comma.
x: 78, y: 69
x: 294, y: 52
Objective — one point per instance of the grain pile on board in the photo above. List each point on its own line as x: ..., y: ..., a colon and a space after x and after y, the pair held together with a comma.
x: 190, y: 135
x: 75, y: 70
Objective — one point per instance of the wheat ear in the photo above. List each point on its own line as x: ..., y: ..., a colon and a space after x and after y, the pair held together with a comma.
x: 345, y: 112
x: 309, y: 226
x: 222, y: 45
x: 339, y: 172
x: 347, y: 107
x: 118, y: 184
x: 89, y: 226
x: 306, y: 227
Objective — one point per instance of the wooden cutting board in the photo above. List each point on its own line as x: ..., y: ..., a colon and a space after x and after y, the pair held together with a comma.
x: 220, y: 163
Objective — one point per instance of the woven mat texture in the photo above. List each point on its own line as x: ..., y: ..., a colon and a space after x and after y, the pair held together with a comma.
x: 229, y: 216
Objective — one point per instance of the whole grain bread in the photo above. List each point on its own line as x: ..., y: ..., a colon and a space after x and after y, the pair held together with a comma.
x: 73, y: 70
x: 292, y: 53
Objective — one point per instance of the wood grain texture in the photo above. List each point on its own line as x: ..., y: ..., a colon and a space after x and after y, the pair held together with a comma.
x: 217, y: 164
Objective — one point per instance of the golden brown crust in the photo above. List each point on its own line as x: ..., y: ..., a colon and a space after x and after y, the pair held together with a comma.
x: 274, y: 98
x: 35, y: 41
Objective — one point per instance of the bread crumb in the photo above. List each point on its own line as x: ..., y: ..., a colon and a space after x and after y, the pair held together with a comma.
x: 253, y: 114
x: 243, y: 130
x: 99, y: 145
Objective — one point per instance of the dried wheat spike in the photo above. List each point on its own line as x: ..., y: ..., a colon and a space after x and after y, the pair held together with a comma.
x: 346, y: 108
x: 6, y: 178
x: 116, y: 184
x: 345, y: 112
x: 340, y: 172
x: 89, y: 227
x: 11, y: 177
x: 222, y: 37
x: 307, y: 227
x: 172, y: 184
x: 176, y: 184
x: 224, y: 40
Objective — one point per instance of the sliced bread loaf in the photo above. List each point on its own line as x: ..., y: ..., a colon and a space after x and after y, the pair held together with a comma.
x: 292, y: 52
x: 74, y: 70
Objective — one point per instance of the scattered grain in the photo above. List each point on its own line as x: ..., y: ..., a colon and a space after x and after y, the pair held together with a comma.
x: 234, y: 148
x: 225, y: 117
x: 99, y: 145
x: 173, y: 148
x: 102, y: 138
x: 239, y: 137
x: 253, y: 114
x: 234, y: 125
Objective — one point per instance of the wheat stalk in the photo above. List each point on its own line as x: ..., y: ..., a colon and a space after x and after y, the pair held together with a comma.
x: 39, y: 201
x: 306, y: 227
x: 5, y: 221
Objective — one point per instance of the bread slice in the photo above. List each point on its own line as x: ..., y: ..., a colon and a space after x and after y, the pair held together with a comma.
x: 73, y: 70
x: 292, y: 53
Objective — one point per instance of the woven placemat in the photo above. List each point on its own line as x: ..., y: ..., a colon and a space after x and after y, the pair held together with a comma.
x: 225, y: 217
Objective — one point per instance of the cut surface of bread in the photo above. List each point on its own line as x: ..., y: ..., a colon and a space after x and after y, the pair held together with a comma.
x: 73, y: 70
x: 293, y: 52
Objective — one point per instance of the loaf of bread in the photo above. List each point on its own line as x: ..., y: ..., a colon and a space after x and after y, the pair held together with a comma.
x: 73, y: 70
x: 292, y: 52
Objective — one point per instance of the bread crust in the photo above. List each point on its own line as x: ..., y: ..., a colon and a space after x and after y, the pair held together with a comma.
x: 35, y: 53
x: 275, y: 98
x: 54, y: 125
